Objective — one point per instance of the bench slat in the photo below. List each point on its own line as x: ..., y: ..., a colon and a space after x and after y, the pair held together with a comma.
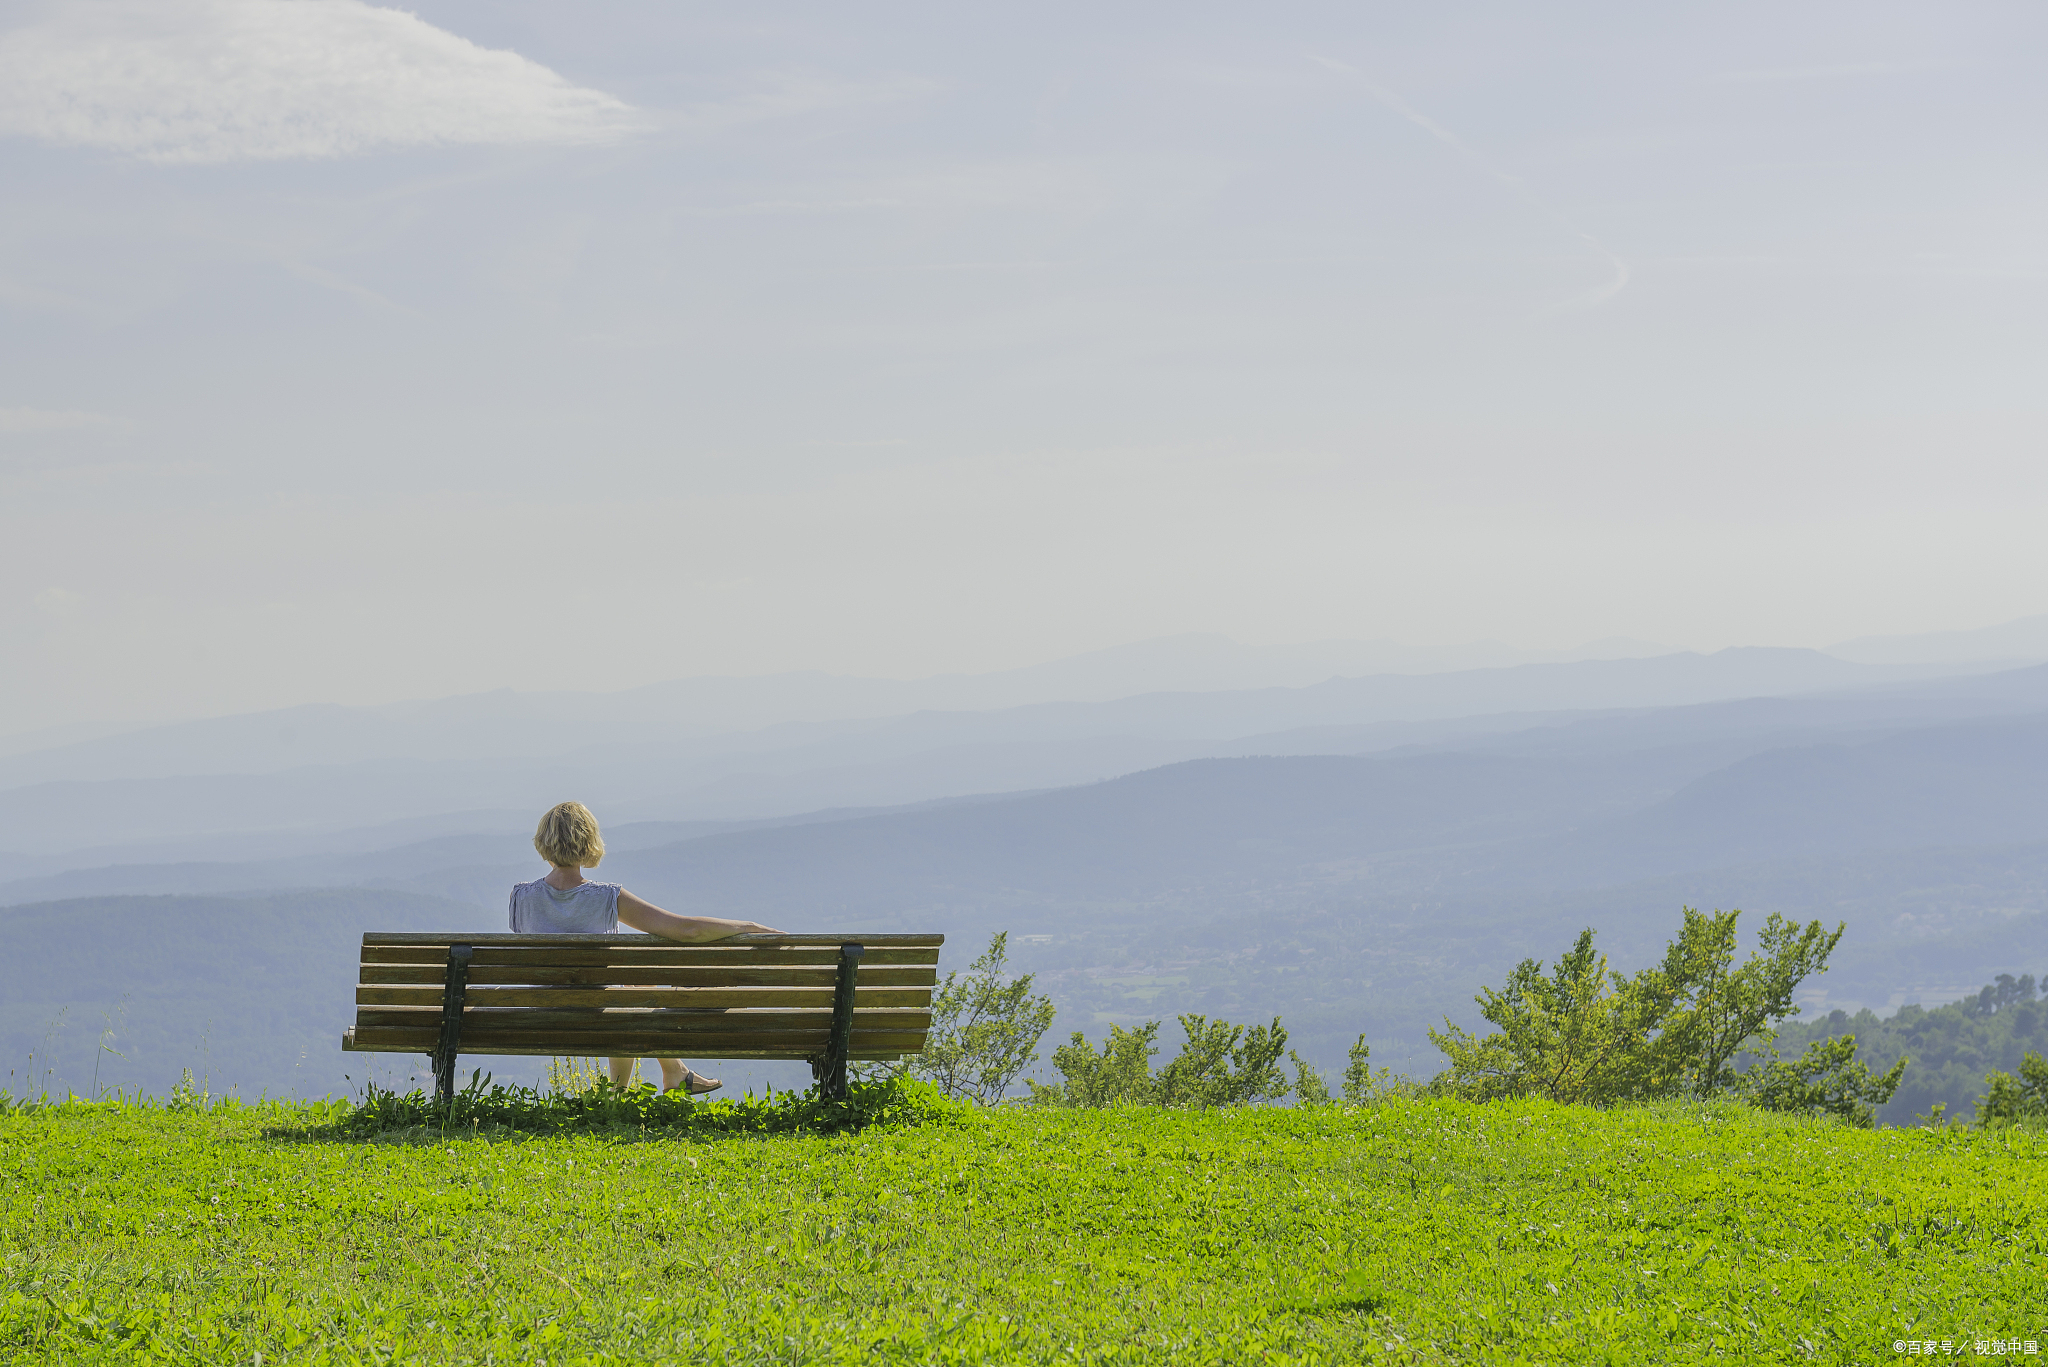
x: 708, y: 1022
x: 667, y: 1037
x: 668, y: 1030
x: 387, y: 1042
x: 375, y: 937
x: 648, y: 952
x: 684, y: 998
x: 394, y: 974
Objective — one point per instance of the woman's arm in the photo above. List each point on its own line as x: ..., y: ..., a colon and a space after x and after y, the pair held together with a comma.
x: 644, y: 915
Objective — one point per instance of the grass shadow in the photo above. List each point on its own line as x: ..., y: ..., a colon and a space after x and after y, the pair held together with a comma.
x: 634, y: 1115
x: 1356, y: 1296
x: 1342, y: 1303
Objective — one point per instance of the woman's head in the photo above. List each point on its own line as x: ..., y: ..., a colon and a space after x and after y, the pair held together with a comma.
x: 568, y: 838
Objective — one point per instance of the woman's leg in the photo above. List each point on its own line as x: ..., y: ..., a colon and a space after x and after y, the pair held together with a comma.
x: 674, y: 1075
x: 622, y: 1071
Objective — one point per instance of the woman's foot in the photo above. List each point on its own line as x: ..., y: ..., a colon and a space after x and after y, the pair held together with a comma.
x: 696, y: 1082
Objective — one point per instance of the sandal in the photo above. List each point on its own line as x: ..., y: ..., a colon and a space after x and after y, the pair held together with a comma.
x: 696, y: 1082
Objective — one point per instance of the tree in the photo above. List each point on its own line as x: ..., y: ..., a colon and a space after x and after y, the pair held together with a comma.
x: 1224, y: 1065
x: 1576, y: 1035
x: 1120, y: 1075
x: 1309, y: 1087
x: 1219, y: 1065
x: 1828, y: 1079
x: 985, y: 1029
x: 2016, y: 1098
x: 1583, y: 1033
x: 1717, y: 1012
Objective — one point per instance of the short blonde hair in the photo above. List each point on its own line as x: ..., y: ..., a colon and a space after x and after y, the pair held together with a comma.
x: 568, y: 838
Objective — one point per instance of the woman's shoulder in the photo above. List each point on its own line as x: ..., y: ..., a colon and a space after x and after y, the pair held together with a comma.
x: 541, y: 884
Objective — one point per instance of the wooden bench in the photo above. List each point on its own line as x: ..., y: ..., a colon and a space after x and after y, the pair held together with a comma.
x: 824, y: 999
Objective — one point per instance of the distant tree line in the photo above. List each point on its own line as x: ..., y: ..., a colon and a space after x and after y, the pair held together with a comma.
x: 1955, y: 1049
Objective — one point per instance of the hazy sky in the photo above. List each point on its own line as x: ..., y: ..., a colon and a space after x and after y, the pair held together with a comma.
x: 353, y: 354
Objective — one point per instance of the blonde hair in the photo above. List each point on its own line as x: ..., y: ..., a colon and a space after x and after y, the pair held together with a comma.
x: 567, y: 837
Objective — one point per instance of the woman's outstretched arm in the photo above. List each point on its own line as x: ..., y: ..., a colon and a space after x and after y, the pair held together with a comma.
x: 643, y: 915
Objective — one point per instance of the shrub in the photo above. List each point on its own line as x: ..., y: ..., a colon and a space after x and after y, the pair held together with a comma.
x: 985, y: 1029
x: 1578, y: 1034
x: 1120, y: 1075
x: 1828, y: 1079
x: 1365, y: 1085
x: 1224, y: 1065
x: 2011, y: 1099
x: 1583, y: 1033
x: 1718, y: 1011
x: 1309, y: 1087
x: 605, y: 1108
x: 1219, y: 1065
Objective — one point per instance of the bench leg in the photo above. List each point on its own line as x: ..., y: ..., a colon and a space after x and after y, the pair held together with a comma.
x: 453, y: 991
x: 831, y: 1069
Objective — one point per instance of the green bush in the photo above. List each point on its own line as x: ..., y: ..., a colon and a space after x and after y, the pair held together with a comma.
x: 1220, y: 1064
x: 2013, y: 1099
x: 1828, y: 1079
x: 1585, y: 1034
x: 1309, y: 1087
x: 985, y: 1030
x: 1580, y: 1034
x: 1121, y: 1075
x: 1365, y: 1085
x: 1225, y: 1065
x: 604, y: 1108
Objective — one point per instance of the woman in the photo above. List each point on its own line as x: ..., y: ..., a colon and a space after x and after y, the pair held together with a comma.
x: 566, y: 903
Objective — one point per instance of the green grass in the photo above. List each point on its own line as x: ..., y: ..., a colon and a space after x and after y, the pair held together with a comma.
x: 1425, y: 1231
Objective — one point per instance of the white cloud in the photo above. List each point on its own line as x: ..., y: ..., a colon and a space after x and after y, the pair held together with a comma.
x: 17, y: 420
x: 237, y: 80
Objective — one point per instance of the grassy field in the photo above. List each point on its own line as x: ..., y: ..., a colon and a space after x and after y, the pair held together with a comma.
x: 1425, y: 1231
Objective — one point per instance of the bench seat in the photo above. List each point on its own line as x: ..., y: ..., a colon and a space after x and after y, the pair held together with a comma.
x: 824, y: 999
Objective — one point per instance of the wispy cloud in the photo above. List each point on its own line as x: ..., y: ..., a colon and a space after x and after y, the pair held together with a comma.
x: 239, y: 80
x: 18, y: 421
x: 771, y: 97
x: 1838, y: 71
x: 1519, y: 187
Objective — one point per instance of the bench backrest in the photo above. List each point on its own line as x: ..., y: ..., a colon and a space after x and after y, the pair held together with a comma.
x: 754, y: 996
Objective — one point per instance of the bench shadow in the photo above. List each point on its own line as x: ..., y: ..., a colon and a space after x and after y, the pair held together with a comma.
x: 426, y: 1137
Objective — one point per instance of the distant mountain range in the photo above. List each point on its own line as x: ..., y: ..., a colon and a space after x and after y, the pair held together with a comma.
x: 2023, y: 639
x: 514, y: 752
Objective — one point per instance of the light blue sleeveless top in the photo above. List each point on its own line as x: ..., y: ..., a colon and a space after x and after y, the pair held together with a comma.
x: 586, y: 909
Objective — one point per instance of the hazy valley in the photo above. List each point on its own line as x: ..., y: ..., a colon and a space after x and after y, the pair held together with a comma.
x: 1356, y: 855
